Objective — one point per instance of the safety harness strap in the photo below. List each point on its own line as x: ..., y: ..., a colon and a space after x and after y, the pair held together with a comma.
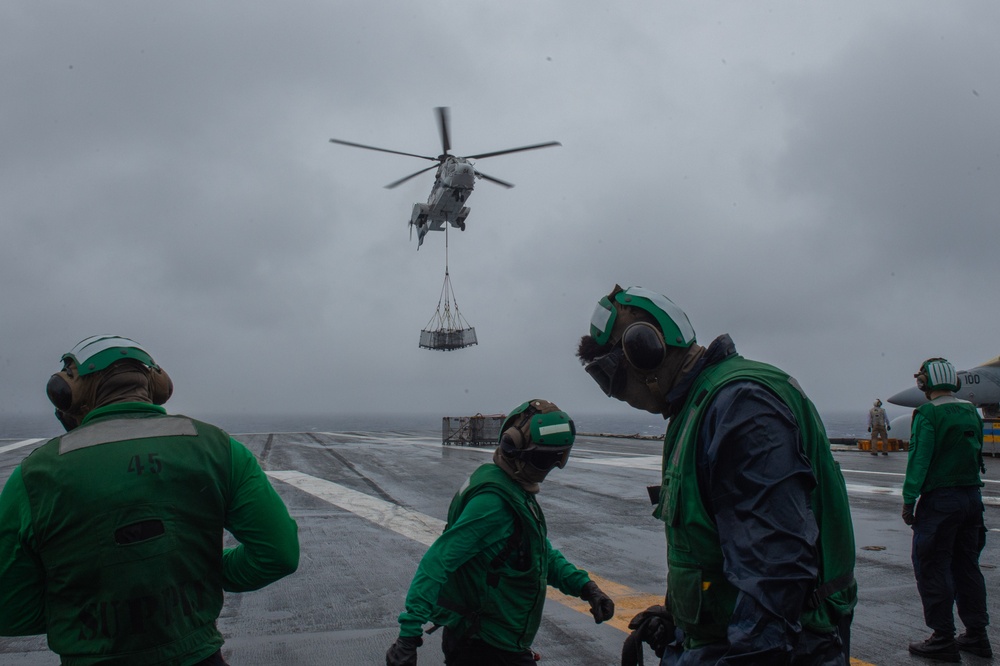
x: 823, y: 591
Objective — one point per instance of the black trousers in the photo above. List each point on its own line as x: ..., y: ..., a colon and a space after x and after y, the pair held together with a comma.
x: 474, y: 652
x: 948, y: 536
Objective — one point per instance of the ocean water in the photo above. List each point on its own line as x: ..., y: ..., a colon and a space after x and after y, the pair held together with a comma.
x: 21, y: 426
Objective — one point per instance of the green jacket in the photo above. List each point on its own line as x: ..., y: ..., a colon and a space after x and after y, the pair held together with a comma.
x: 946, y: 447
x: 111, y: 538
x: 702, y: 599
x: 459, y: 582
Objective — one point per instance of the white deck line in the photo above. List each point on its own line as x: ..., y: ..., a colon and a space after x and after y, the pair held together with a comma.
x: 17, y: 445
x: 412, y: 524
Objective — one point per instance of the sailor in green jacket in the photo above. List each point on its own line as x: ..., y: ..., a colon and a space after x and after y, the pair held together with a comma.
x: 760, y: 544
x: 111, y: 535
x: 942, y: 470
x: 484, y: 578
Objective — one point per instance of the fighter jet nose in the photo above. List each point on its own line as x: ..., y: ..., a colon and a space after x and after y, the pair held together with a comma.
x: 911, y: 397
x: 901, y: 427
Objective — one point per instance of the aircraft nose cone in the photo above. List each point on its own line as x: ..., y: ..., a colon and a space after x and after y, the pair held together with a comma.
x: 911, y: 397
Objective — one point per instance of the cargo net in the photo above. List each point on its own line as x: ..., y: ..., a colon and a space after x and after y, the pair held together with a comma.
x: 478, y: 430
x: 447, y: 330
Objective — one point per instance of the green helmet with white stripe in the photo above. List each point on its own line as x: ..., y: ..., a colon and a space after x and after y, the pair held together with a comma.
x: 97, y: 352
x: 535, y: 438
x: 674, y: 323
x: 937, y: 374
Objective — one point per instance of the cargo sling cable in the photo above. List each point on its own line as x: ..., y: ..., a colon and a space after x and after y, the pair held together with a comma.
x: 447, y: 330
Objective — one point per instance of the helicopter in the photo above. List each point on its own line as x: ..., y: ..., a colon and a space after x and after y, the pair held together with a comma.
x: 453, y: 182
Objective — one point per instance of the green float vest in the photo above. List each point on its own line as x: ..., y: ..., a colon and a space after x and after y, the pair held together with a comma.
x: 128, y: 516
x: 958, y: 444
x: 702, y: 600
x: 487, y: 596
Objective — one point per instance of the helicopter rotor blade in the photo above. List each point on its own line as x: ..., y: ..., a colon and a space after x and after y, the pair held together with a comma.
x: 384, y: 150
x: 442, y: 112
x: 406, y: 178
x: 494, y: 180
x: 512, y: 150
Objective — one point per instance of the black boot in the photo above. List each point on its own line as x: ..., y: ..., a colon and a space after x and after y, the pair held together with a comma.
x: 940, y: 647
x: 975, y: 642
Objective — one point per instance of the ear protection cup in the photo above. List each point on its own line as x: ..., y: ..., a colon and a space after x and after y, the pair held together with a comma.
x: 59, y: 391
x: 161, y: 387
x: 644, y: 346
x: 511, y: 441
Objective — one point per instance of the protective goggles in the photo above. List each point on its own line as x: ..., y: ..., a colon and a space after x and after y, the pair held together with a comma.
x: 542, y: 458
x: 641, y: 346
x: 608, y: 372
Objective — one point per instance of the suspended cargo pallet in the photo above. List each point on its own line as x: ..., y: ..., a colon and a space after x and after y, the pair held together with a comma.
x: 447, y: 330
x: 478, y: 430
x: 445, y: 340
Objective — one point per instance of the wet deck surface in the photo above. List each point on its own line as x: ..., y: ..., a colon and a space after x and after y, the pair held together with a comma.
x: 368, y: 503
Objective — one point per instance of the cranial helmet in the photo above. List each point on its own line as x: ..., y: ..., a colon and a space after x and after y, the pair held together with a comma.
x: 535, y: 438
x: 878, y: 403
x: 675, y: 327
x: 621, y: 330
x: 92, y: 365
x: 937, y: 374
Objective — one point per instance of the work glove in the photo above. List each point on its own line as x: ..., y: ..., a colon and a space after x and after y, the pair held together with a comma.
x: 404, y: 651
x: 869, y: 428
x: 601, y: 605
x: 908, y: 514
x: 888, y: 427
x: 654, y: 627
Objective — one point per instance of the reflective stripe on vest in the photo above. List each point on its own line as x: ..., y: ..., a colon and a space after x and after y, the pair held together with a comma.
x: 119, y: 430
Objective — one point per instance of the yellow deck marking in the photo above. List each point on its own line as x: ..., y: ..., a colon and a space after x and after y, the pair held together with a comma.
x: 425, y: 529
x: 628, y: 602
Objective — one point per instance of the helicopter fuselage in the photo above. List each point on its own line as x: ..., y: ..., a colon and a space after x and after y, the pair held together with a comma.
x: 453, y: 183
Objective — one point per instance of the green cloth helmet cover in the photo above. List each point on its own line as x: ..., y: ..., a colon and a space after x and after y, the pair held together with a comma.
x: 674, y: 323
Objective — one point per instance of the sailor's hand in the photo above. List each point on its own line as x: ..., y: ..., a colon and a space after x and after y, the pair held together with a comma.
x: 908, y: 517
x: 888, y: 427
x: 655, y: 627
x: 869, y: 428
x: 601, y: 605
x: 404, y: 651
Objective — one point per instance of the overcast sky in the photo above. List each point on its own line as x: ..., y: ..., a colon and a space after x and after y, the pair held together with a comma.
x: 819, y: 180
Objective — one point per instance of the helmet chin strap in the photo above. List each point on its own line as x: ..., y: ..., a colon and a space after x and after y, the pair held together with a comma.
x: 675, y: 366
x: 653, y: 386
x: 519, y: 471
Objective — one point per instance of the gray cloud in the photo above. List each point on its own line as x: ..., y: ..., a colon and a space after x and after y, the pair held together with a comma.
x: 820, y: 182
